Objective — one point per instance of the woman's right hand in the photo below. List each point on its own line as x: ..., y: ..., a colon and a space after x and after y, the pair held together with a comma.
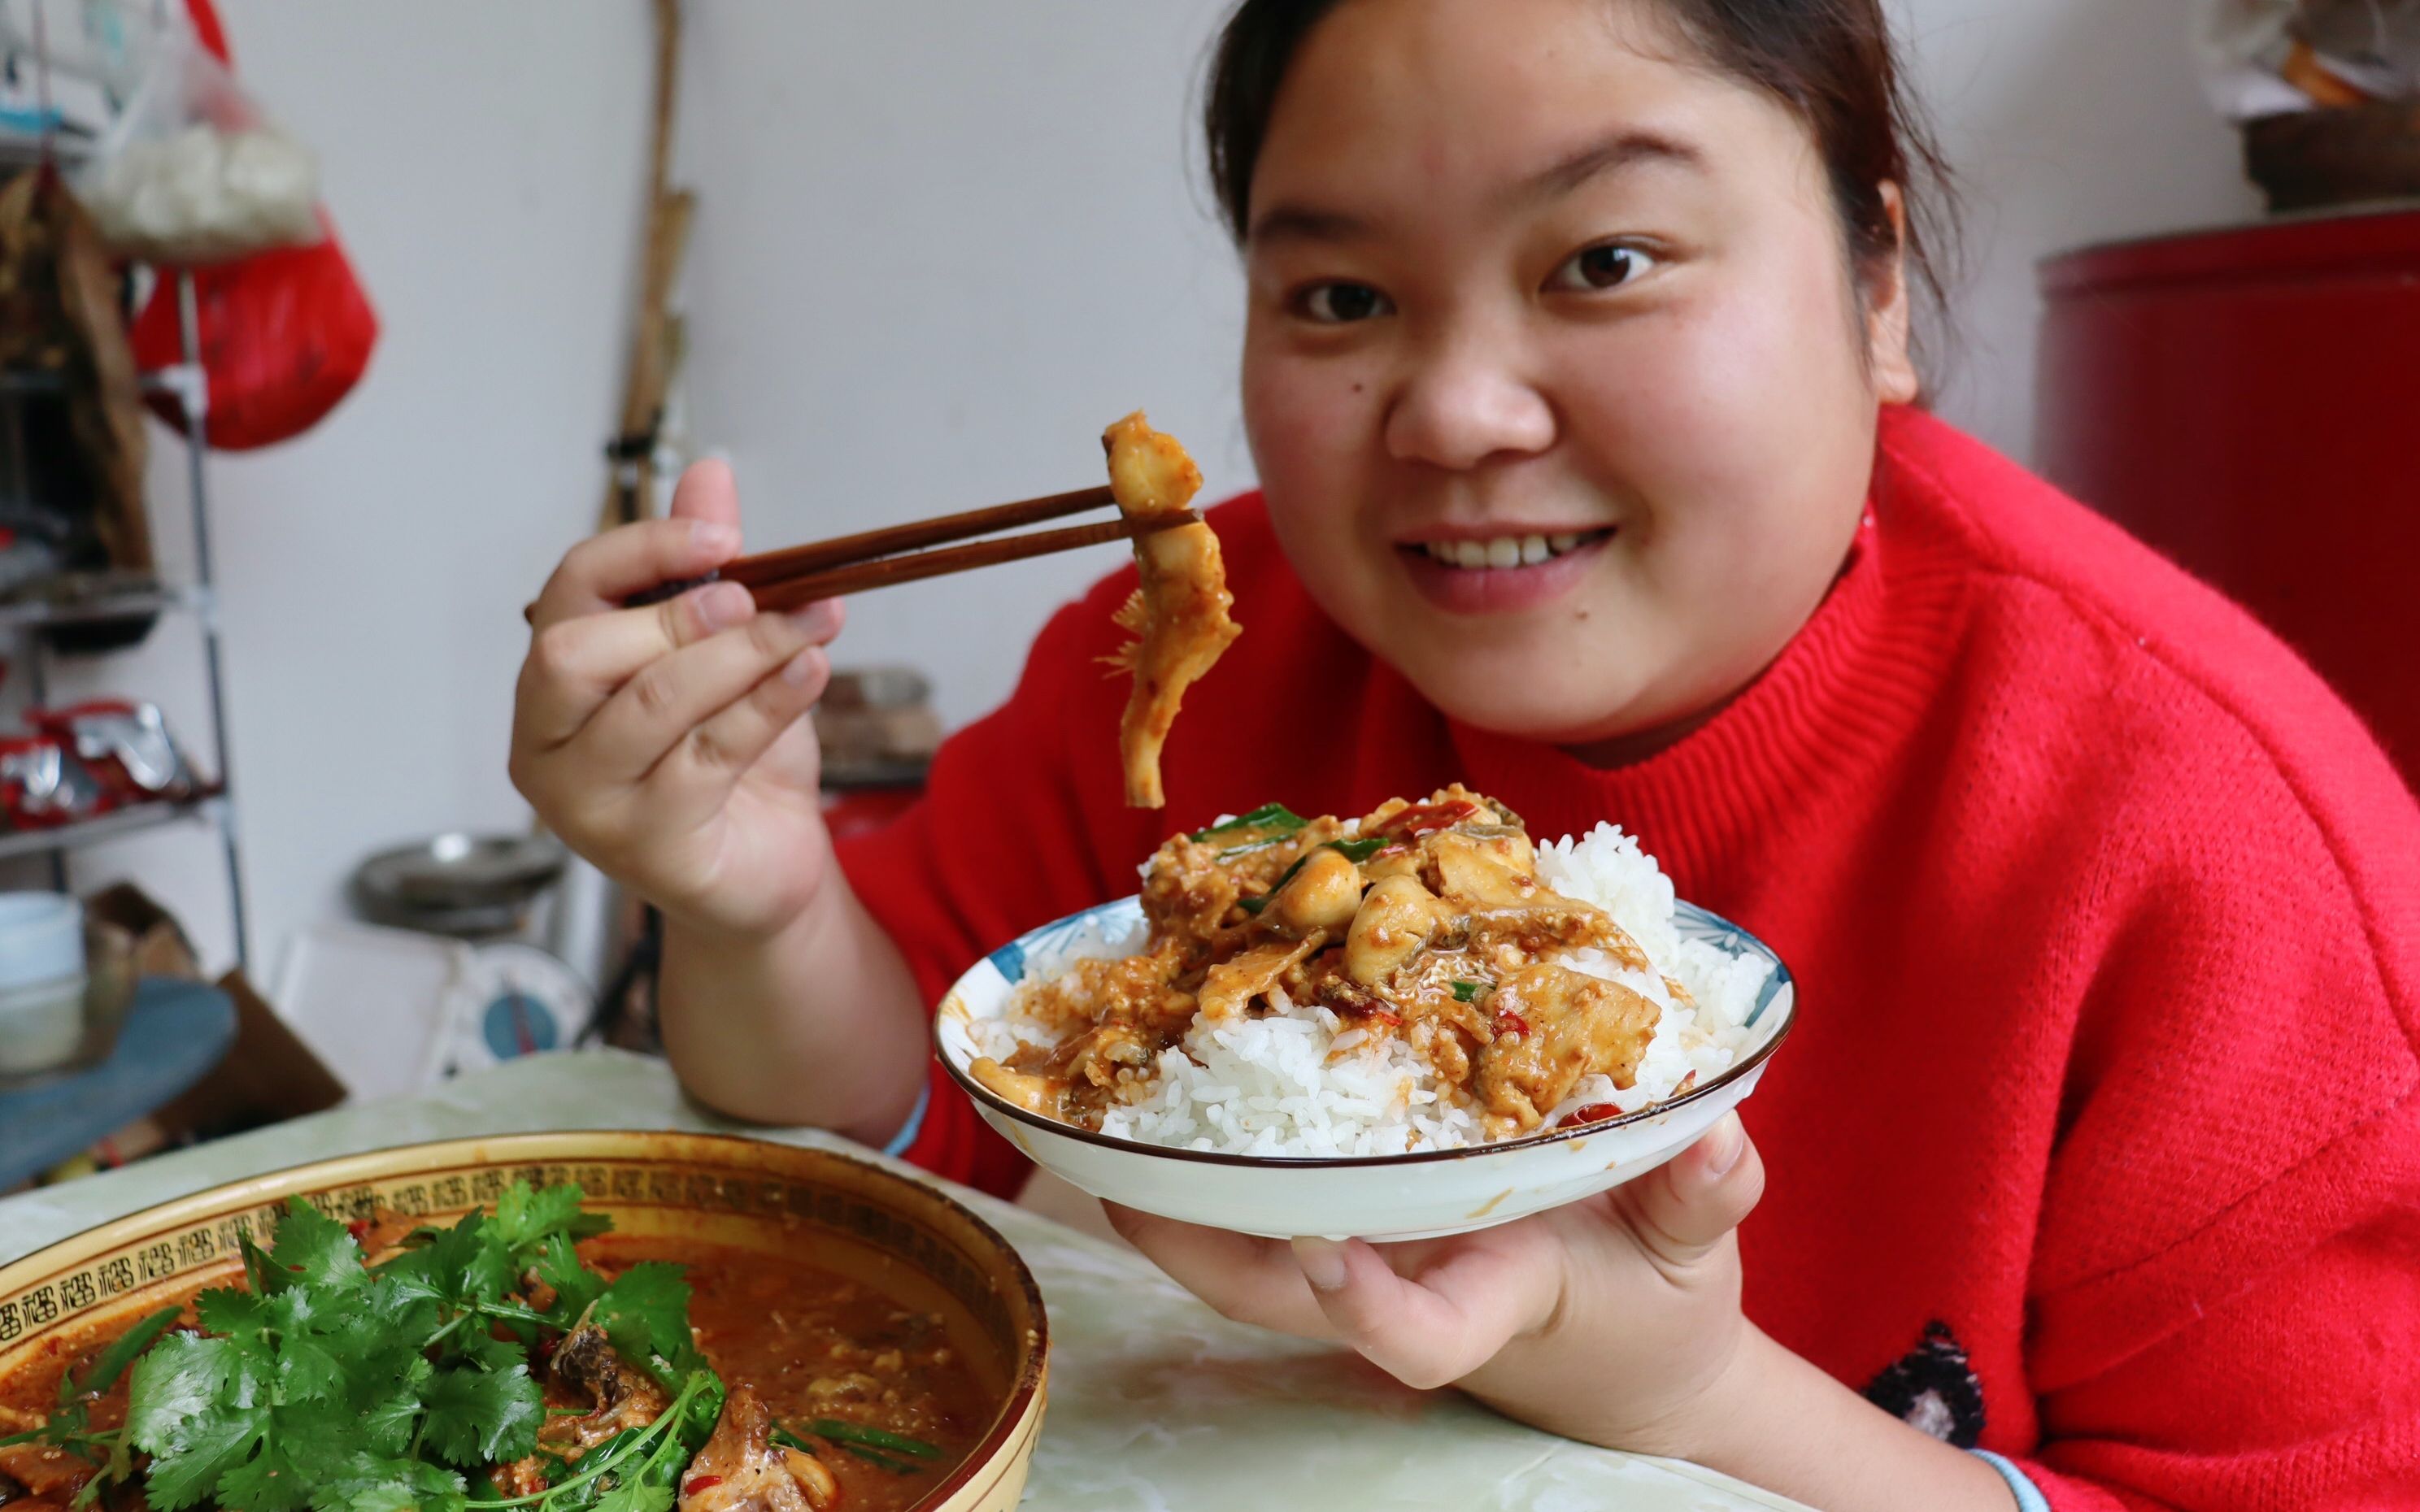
x: 669, y: 744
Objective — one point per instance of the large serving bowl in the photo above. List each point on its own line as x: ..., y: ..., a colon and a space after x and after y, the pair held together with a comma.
x: 845, y: 1216
x: 1418, y: 1196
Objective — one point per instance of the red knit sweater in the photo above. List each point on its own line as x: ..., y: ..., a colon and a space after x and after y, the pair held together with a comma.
x: 2106, y: 920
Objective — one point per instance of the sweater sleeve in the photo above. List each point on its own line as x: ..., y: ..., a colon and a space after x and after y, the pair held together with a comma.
x: 1004, y: 839
x: 2225, y: 1305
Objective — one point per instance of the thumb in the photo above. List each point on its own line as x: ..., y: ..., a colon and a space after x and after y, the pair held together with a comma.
x: 707, y: 491
x: 1688, y: 1206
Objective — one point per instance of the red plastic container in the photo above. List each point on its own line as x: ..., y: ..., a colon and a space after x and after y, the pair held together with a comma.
x: 2248, y: 401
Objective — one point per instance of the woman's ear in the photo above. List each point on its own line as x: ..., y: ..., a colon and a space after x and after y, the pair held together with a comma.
x: 1887, y: 350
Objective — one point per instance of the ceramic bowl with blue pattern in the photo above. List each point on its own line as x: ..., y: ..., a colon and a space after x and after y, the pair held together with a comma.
x: 1419, y: 1195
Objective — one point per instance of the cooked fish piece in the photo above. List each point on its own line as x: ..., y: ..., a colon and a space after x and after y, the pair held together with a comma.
x: 1179, y: 613
x: 742, y: 1470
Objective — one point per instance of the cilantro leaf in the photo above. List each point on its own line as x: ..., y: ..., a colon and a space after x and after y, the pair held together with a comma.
x: 645, y: 1315
x: 265, y: 1483
x: 205, y: 1447
x: 386, y: 1425
x: 314, y: 1248
x: 232, y: 1314
x: 575, y: 1286
x: 482, y: 1417
x: 484, y: 1349
x: 636, y: 1495
x: 308, y: 1372
x: 180, y: 1377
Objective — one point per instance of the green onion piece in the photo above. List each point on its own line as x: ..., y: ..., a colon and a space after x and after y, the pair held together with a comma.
x: 115, y: 1359
x: 840, y: 1432
x: 1465, y: 991
x: 1271, y: 816
x: 790, y: 1441
x: 896, y: 1467
x: 1356, y: 851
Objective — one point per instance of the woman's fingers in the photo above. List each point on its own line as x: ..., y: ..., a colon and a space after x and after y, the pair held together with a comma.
x: 602, y: 571
x: 1682, y: 1211
x: 576, y: 664
x: 1247, y: 1279
x: 707, y: 491
x: 1437, y: 1324
x: 669, y: 697
x: 695, y: 779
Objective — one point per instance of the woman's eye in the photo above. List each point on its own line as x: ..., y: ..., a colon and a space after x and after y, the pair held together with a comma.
x: 1338, y: 304
x: 1607, y: 265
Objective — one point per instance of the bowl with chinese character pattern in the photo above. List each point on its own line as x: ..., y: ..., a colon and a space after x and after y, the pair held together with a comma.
x: 906, y: 1249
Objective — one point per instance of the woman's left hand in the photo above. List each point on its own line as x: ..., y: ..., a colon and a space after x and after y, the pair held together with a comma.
x: 1615, y: 1320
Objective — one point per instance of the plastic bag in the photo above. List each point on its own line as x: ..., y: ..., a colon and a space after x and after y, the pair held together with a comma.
x: 193, y: 171
x: 2277, y: 58
x: 285, y: 334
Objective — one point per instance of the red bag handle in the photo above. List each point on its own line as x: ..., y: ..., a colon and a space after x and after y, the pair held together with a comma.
x: 208, y: 31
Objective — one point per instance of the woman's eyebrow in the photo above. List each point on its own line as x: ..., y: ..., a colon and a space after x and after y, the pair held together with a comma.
x: 1303, y: 223
x: 1628, y: 148
x: 1625, y: 148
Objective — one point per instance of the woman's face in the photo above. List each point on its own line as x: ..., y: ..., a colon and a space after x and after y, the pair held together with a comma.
x: 1559, y: 388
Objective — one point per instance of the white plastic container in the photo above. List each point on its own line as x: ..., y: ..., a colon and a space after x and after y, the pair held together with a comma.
x: 41, y: 981
x: 41, y: 939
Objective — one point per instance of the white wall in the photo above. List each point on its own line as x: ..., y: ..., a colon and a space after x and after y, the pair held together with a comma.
x: 941, y: 245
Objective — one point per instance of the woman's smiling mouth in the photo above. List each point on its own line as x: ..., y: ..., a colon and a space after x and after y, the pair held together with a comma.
x: 1500, y: 573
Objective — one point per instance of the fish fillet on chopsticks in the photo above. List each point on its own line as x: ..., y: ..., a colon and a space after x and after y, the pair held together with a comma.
x: 1179, y: 614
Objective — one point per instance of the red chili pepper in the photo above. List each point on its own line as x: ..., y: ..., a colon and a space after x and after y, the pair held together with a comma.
x: 1592, y: 1112
x: 359, y: 1230
x: 700, y: 1483
x: 1427, y: 818
x: 1511, y: 1024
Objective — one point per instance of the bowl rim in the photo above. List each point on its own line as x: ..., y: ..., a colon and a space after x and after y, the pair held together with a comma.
x: 1019, y: 1411
x: 990, y: 1101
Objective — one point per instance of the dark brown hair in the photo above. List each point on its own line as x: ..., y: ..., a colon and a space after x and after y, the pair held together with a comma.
x: 1830, y: 61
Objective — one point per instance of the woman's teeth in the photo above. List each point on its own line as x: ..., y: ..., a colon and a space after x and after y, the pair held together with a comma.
x: 1505, y: 551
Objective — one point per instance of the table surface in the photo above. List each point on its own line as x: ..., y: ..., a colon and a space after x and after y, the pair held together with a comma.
x: 1155, y: 1401
x: 175, y: 1033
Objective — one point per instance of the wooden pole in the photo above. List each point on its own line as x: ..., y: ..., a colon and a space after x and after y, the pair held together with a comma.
x: 630, y: 489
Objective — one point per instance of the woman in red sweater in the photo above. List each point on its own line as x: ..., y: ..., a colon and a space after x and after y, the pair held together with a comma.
x: 1576, y: 371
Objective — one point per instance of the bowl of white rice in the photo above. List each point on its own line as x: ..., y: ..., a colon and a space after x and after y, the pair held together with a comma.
x: 1294, y: 1122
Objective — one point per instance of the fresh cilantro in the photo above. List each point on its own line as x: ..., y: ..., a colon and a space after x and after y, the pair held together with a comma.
x: 1465, y: 991
x: 645, y: 1315
x: 483, y: 1417
x: 314, y: 1248
x: 576, y: 1287
x: 330, y: 1384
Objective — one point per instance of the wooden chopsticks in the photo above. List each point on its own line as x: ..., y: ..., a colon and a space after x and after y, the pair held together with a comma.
x: 800, y: 575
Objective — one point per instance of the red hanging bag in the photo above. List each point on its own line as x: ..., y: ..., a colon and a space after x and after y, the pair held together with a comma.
x: 285, y: 333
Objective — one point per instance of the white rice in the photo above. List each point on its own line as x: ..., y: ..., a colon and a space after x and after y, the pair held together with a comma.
x: 1297, y: 1082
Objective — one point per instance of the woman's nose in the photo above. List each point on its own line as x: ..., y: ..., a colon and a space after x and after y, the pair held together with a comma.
x: 1462, y: 403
